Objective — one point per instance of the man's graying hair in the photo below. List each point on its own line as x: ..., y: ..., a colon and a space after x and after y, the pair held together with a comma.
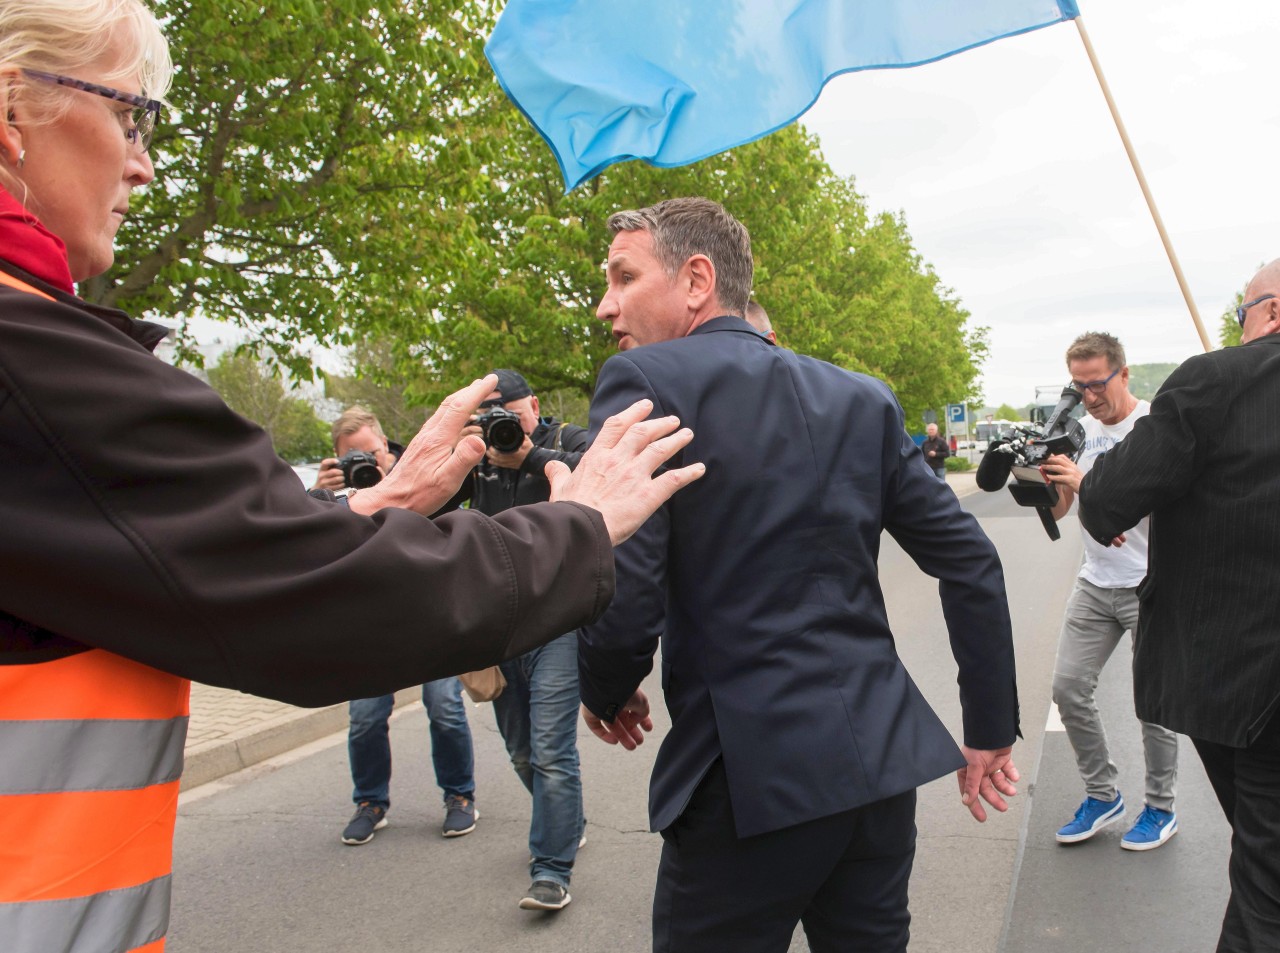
x: 1097, y: 344
x: 682, y: 228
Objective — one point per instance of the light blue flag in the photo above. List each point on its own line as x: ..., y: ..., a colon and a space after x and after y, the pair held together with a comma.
x: 674, y: 81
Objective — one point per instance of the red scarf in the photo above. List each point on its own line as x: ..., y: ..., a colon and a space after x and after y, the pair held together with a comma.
x: 26, y: 243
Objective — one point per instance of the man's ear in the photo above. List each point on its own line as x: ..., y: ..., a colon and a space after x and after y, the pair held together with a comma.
x: 702, y: 281
x: 534, y: 404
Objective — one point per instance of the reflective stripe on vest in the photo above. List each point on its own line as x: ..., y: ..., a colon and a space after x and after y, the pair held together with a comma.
x: 90, y: 755
x: 12, y: 282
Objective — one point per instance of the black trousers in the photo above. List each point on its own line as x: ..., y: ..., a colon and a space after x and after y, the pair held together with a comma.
x: 844, y: 877
x: 1247, y: 783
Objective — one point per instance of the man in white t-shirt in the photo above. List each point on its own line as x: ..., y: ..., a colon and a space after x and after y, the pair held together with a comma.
x: 1103, y: 605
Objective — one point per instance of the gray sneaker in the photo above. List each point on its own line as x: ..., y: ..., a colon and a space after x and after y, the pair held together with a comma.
x: 367, y: 819
x: 460, y: 816
x: 545, y: 895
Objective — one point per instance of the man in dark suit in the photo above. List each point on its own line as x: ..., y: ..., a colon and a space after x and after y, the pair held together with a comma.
x: 1204, y: 464
x: 785, y: 790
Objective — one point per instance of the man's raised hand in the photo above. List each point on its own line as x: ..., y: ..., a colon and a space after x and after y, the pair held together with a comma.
x: 436, y: 460
x: 615, y: 476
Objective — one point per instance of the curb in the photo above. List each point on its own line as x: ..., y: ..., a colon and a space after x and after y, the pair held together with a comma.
x: 215, y: 759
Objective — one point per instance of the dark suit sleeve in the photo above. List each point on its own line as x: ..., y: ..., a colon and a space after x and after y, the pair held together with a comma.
x: 573, y: 444
x: 616, y: 653
x: 1160, y: 459
x: 925, y: 518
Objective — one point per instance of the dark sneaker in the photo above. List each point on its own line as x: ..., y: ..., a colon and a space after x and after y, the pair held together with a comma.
x: 545, y: 895
x: 460, y: 816
x: 1092, y: 817
x: 1152, y: 828
x: 367, y: 819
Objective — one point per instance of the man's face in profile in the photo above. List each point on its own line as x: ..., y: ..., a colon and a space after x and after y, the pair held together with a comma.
x: 643, y: 303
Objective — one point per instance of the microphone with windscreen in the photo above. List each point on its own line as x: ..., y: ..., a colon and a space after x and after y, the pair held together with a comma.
x: 1020, y: 451
x: 996, y: 465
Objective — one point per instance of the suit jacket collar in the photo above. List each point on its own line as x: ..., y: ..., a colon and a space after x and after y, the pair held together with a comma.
x: 728, y: 322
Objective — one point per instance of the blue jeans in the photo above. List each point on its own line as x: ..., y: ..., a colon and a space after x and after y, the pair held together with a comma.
x: 537, y: 714
x: 369, y: 743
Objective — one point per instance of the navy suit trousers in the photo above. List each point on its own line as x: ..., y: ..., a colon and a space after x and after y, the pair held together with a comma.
x: 844, y: 877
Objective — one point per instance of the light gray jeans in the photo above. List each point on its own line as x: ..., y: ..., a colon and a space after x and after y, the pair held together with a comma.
x: 1096, y: 619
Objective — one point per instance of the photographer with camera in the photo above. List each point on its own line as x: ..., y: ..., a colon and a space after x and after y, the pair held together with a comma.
x: 364, y: 456
x: 537, y: 711
x: 1103, y: 605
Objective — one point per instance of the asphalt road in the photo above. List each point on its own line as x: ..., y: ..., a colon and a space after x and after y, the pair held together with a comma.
x: 258, y: 863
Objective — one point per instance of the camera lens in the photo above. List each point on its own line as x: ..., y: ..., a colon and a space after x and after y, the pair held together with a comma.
x: 506, y: 435
x: 363, y: 475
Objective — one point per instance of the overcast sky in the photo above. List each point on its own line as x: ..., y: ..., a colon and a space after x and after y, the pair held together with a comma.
x: 1016, y: 187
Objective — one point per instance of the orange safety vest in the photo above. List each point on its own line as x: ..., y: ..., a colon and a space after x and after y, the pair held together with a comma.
x: 90, y: 759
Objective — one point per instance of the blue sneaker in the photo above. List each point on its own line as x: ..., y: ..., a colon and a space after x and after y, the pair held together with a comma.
x: 1152, y: 829
x: 1092, y: 817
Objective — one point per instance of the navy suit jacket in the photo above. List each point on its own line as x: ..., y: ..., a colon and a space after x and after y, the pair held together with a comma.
x: 760, y: 580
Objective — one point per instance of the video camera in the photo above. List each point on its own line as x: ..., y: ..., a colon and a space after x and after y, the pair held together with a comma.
x: 1021, y: 450
x: 359, y: 469
x: 501, y: 429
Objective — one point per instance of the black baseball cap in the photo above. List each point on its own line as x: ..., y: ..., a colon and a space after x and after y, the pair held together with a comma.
x: 512, y: 386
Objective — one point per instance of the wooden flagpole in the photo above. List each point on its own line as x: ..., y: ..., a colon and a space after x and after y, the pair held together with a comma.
x: 1142, y: 181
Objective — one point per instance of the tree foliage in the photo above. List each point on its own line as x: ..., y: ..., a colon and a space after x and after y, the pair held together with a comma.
x: 299, y: 166
x: 350, y: 172
x: 254, y: 391
x: 1229, y: 330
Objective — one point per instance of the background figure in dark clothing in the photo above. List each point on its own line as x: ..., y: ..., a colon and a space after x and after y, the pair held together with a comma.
x: 369, y: 735
x: 935, y: 451
x: 537, y: 713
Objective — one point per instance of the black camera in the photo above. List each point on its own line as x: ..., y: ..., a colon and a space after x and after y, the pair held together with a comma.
x: 359, y: 469
x: 1021, y: 450
x: 501, y: 429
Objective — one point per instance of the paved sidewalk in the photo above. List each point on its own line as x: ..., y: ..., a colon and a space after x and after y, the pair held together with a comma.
x: 230, y: 730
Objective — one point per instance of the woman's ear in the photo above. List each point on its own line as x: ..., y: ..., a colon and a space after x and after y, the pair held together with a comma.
x: 11, y: 144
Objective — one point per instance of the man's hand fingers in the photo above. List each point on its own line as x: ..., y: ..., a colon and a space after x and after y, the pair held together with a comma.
x: 468, y: 452
x: 616, y: 426
x: 662, y: 487
x: 624, y: 736
x: 460, y: 406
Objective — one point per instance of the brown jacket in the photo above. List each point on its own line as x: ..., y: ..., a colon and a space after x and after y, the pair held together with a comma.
x: 139, y: 514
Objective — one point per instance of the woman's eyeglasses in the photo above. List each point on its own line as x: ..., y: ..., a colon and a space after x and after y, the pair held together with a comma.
x: 142, y: 118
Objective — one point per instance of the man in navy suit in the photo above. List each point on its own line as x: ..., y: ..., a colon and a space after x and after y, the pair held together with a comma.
x: 785, y: 790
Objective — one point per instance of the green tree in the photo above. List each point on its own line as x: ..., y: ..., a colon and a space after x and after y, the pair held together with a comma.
x: 1229, y: 330
x: 350, y: 172
x: 252, y: 391
x: 298, y: 167
x: 372, y: 384
x: 1005, y: 412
